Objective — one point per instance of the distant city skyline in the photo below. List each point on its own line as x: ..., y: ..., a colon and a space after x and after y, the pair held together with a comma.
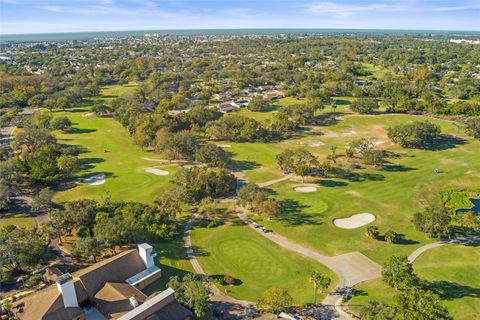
x: 52, y: 16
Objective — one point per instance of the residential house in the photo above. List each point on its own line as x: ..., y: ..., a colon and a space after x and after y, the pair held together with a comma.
x: 227, y: 107
x: 110, y: 289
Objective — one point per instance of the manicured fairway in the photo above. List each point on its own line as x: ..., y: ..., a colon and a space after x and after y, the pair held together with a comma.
x: 452, y: 272
x: 109, y: 149
x: 393, y: 194
x: 257, y: 264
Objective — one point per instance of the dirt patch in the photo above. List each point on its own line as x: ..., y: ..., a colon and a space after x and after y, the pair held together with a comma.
x: 96, y: 179
x: 157, y: 172
x: 354, y: 193
x: 156, y: 160
x: 355, y: 221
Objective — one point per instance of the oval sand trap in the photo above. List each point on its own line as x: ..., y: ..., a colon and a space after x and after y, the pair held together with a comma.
x: 355, y: 221
x: 305, y: 189
x: 95, y: 180
x: 157, y: 172
x: 223, y: 145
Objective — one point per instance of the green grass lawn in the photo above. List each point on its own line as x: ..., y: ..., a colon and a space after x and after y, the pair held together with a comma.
x: 393, y: 195
x: 258, y: 264
x: 449, y: 269
x: 108, y: 148
x: 19, y: 220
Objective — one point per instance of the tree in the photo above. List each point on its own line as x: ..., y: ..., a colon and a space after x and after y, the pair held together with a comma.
x: 193, y: 293
x: 177, y: 145
x: 42, y: 119
x: 299, y: 114
x: 319, y: 281
x: 60, y: 223
x: 234, y: 127
x: 87, y: 247
x: 268, y: 208
x: 419, y: 304
x: 469, y: 220
x: 365, y: 105
x: 212, y: 155
x: 377, y: 310
x: 372, y: 232
x: 67, y: 164
x: 83, y: 213
x: 298, y: 161
x: 201, y: 182
x: 397, y: 272
x: 43, y: 200
x: 391, y: 236
x: 61, y: 123
x: 33, y: 138
x: 366, y: 148
x: 258, y: 104
x: 472, y: 127
x: 274, y: 300
x: 21, y: 249
x: 434, y: 221
x: 418, y: 134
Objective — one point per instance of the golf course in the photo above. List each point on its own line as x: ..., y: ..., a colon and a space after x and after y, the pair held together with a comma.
x: 112, y: 166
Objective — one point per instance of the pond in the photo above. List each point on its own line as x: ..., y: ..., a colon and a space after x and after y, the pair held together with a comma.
x: 475, y: 208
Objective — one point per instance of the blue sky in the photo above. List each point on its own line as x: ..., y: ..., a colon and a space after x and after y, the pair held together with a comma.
x: 41, y: 16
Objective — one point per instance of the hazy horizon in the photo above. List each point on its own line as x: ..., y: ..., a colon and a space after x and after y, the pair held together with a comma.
x: 56, y: 16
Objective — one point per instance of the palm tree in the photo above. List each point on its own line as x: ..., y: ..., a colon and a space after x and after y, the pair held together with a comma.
x: 319, y: 281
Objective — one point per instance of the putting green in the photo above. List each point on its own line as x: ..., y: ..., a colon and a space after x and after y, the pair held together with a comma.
x: 449, y: 270
x: 258, y: 264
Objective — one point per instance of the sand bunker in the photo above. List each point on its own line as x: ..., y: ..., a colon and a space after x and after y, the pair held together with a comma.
x: 95, y: 180
x: 305, y: 189
x: 157, y: 172
x: 355, y: 221
x: 156, y: 160
x: 89, y: 114
x: 224, y: 145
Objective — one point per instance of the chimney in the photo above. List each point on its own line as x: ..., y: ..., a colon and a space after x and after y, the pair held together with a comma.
x: 67, y: 289
x: 133, y: 301
x: 146, y: 254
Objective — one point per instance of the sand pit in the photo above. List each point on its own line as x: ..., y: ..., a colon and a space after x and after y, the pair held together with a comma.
x: 95, y: 180
x: 224, y: 145
x: 157, y: 172
x: 355, y: 221
x: 316, y: 144
x: 305, y: 189
x: 89, y: 114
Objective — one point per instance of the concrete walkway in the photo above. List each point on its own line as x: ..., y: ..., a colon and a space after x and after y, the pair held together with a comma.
x: 269, y: 183
x: 415, y: 254
x: 350, y: 268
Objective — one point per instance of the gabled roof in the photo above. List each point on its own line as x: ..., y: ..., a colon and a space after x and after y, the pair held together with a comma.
x: 115, y: 269
x: 114, y: 298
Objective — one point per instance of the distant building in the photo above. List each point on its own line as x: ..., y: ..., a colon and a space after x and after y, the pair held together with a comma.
x: 227, y: 107
x: 110, y: 289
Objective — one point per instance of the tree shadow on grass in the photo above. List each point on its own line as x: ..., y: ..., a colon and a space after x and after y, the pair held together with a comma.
x: 240, y: 165
x: 327, y: 119
x: 219, y: 278
x: 332, y: 183
x: 79, y: 130
x: 446, y: 142
x: 292, y: 215
x: 89, y: 163
x: 397, y: 168
x: 401, y: 240
x: 451, y: 290
x: 200, y: 252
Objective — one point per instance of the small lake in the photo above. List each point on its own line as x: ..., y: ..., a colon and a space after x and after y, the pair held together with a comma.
x: 475, y: 208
